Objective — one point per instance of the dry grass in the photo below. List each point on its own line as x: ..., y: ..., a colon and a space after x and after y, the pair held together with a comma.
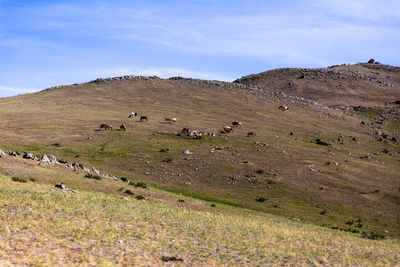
x: 73, y: 113
x: 44, y: 226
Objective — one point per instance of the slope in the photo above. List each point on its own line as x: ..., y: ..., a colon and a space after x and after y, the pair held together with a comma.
x: 365, y: 84
x: 318, y: 174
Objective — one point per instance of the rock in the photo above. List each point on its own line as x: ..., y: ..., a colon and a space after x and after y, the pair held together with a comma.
x: 61, y: 186
x: 368, y: 156
x: 45, y: 159
x: 95, y: 171
x: 27, y: 155
x: 12, y: 153
x: 77, y: 166
x: 147, y: 173
x: 186, y: 152
x: 48, y: 159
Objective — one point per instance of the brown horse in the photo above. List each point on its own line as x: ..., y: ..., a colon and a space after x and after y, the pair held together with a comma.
x: 105, y: 126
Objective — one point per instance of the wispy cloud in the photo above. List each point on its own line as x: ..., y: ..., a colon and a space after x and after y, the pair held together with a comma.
x: 52, y: 42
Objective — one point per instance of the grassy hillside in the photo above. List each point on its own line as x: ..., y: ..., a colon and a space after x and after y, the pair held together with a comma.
x: 316, y: 175
x: 46, y: 226
x: 343, y: 85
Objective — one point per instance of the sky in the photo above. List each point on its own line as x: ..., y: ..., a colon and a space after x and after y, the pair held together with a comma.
x: 46, y: 43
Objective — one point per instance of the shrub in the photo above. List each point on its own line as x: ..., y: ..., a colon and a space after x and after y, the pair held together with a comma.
x: 321, y: 143
x: 91, y: 176
x: 322, y: 212
x: 62, y: 161
x: 56, y: 144
x: 124, y: 179
x: 20, y: 180
x: 350, y: 222
x: 141, y: 185
x: 129, y: 192
x: 140, y: 197
x: 213, y: 205
x: 261, y: 199
x: 259, y: 171
x: 181, y: 200
x: 372, y: 235
x: 168, y: 160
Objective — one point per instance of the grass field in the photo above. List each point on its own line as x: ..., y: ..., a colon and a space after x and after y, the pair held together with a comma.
x: 299, y: 178
x: 45, y: 226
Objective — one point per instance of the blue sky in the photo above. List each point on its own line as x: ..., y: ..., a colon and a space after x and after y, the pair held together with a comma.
x: 45, y: 43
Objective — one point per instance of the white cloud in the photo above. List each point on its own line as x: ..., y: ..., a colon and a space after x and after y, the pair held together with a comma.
x: 377, y: 10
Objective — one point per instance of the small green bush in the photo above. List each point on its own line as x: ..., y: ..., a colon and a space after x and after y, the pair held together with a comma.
x: 129, y: 192
x: 318, y: 141
x: 20, y: 180
x: 261, y: 199
x: 140, y: 197
x: 372, y: 235
x: 91, y: 176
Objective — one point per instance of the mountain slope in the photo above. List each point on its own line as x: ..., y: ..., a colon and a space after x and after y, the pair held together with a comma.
x: 343, y: 85
x: 319, y: 174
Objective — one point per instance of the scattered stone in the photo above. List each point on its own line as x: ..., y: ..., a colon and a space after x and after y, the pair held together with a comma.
x: 186, y: 152
x: 171, y: 258
x: 147, y: 173
x: 95, y: 171
x: 61, y: 186
x: 27, y: 155
x: 368, y: 157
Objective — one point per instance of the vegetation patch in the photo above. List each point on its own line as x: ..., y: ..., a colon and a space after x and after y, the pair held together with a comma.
x: 92, y: 176
x: 19, y: 180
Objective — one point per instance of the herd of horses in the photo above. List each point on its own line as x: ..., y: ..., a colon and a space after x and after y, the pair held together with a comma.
x: 186, y: 131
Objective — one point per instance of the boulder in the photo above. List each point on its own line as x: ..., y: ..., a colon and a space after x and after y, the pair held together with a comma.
x: 27, y: 155
x: 48, y: 159
x: 61, y: 186
x: 95, y: 171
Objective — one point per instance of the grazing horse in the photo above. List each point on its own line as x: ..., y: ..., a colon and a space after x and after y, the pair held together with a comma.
x: 170, y: 119
x: 249, y: 134
x: 236, y: 123
x: 185, y: 131
x: 283, y: 108
x: 228, y: 129
x: 122, y: 127
x: 143, y: 118
x: 105, y: 126
x: 133, y: 115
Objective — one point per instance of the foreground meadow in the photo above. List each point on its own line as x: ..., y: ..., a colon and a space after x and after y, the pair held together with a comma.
x: 42, y: 225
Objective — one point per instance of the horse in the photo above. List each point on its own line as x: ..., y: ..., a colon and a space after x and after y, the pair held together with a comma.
x: 122, y: 127
x: 105, y: 126
x: 143, y: 118
x: 236, y: 123
x: 170, y: 119
x: 133, y: 115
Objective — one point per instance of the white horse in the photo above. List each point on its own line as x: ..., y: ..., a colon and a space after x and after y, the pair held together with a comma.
x: 133, y: 115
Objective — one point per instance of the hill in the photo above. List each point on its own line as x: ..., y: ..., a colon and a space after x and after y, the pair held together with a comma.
x: 366, y: 84
x: 311, y: 162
